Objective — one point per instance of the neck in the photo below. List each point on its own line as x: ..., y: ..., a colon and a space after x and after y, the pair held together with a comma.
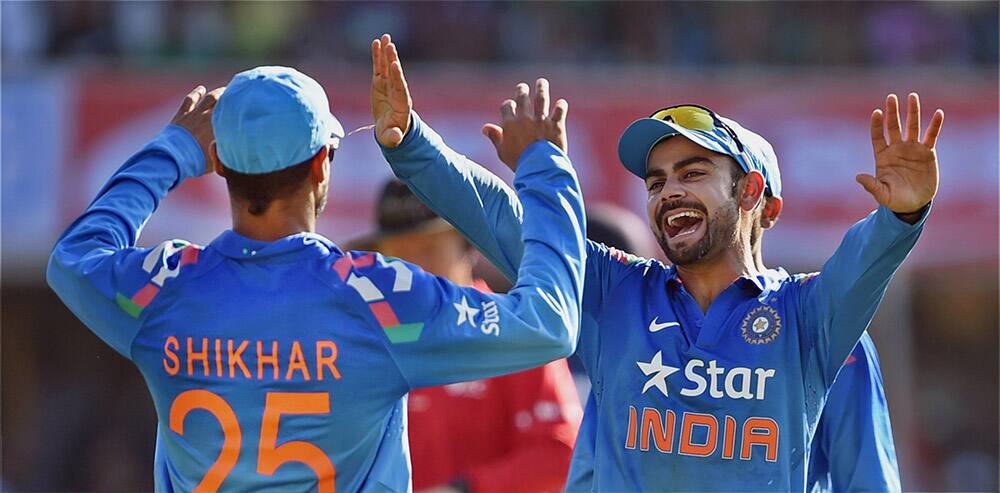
x: 705, y: 279
x: 282, y: 218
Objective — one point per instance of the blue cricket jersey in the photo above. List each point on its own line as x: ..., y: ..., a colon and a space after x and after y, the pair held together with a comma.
x: 853, y: 448
x: 685, y: 400
x: 284, y: 366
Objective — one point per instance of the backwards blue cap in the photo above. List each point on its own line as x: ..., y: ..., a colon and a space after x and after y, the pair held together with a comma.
x: 271, y: 118
x: 757, y: 154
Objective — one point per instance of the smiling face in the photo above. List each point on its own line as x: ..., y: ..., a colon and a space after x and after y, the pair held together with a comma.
x: 692, y: 205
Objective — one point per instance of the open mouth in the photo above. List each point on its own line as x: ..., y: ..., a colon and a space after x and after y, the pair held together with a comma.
x: 683, y: 223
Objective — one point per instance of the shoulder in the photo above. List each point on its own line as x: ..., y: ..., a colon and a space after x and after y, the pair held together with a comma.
x: 620, y: 260
x: 156, y: 269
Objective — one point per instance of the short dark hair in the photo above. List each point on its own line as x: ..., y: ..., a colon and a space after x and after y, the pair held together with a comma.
x: 260, y: 190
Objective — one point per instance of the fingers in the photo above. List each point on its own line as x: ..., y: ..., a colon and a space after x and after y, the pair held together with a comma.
x: 872, y: 185
x: 380, y: 48
x: 391, y: 55
x: 398, y: 82
x: 522, y: 101
x: 913, y: 117
x: 541, y: 99
x: 892, y: 119
x: 209, y: 101
x: 559, y: 113
x: 377, y: 57
x: 494, y: 133
x: 391, y: 137
x: 878, y: 132
x: 934, y: 128
x: 508, y: 110
x: 191, y: 100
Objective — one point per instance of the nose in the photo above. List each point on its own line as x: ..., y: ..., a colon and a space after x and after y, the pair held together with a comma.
x: 672, y: 190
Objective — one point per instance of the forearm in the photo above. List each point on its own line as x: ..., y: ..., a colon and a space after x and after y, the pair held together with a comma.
x: 83, y: 268
x: 132, y: 194
x: 842, y: 300
x: 476, y: 202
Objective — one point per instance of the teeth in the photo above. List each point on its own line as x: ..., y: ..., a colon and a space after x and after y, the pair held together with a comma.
x: 675, y: 217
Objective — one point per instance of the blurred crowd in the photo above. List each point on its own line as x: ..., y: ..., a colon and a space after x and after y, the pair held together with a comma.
x: 679, y: 33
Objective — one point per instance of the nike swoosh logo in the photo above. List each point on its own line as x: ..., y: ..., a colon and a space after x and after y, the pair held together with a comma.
x: 655, y: 327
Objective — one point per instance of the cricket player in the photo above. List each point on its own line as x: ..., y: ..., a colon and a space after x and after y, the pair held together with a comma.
x: 709, y: 374
x: 277, y: 361
x: 852, y: 448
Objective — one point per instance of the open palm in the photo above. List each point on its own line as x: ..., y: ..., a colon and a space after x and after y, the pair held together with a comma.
x: 391, y: 101
x: 906, y: 170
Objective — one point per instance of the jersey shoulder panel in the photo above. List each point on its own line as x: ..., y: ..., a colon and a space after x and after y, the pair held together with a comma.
x: 159, y: 268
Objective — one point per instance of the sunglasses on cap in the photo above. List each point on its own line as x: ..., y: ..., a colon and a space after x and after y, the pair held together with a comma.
x: 695, y: 117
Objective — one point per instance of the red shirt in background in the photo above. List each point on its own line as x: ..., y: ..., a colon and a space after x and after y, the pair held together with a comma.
x: 503, y: 434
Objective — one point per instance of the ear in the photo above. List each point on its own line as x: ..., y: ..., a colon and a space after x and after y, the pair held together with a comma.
x: 319, y: 166
x: 752, y: 191
x: 772, y: 209
x: 216, y: 163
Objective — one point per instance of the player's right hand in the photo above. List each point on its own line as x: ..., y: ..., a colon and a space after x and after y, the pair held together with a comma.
x: 195, y: 116
x: 391, y: 103
x: 523, y: 123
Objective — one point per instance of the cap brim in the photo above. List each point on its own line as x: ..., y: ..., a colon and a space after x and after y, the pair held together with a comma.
x: 371, y: 240
x: 336, y: 131
x: 643, y: 134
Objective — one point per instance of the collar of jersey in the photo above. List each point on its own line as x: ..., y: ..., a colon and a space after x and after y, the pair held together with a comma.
x: 764, y: 282
x: 234, y: 245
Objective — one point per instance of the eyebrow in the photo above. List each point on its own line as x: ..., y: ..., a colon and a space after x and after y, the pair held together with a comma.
x: 680, y: 164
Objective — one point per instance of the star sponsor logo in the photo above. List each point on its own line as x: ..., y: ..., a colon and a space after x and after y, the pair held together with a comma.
x: 656, y: 327
x: 659, y: 373
x: 466, y: 313
x: 761, y: 325
x: 717, y: 381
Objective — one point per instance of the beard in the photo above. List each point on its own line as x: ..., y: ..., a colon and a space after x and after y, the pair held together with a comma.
x: 720, y: 229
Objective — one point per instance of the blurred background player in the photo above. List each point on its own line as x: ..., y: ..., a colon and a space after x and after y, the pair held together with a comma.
x: 510, y: 433
x: 276, y: 360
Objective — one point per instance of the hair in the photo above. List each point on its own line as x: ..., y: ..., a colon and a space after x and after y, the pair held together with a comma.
x: 260, y: 190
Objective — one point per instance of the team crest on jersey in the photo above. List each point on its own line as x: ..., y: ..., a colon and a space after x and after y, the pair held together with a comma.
x: 761, y: 326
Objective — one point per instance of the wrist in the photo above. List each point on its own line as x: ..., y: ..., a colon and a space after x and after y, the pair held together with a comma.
x: 912, y: 217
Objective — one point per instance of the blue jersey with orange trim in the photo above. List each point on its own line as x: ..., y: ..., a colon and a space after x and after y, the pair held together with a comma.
x: 683, y: 399
x: 285, y: 365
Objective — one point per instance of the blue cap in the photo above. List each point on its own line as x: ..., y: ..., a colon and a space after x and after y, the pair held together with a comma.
x: 271, y: 118
x: 757, y: 154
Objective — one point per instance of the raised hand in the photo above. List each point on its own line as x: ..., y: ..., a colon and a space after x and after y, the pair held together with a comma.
x: 391, y: 101
x: 524, y: 122
x: 906, y: 170
x: 195, y: 115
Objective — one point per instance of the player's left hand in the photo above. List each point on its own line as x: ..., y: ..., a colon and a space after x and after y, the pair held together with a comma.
x: 195, y: 116
x: 906, y: 169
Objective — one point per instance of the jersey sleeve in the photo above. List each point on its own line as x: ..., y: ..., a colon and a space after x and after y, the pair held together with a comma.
x: 96, y: 268
x: 837, y: 304
x: 478, y: 203
x: 545, y: 411
x: 489, y: 214
x: 856, y: 435
x: 440, y: 333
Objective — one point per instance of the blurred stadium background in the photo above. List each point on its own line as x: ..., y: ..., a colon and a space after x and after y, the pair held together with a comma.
x: 85, y: 84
